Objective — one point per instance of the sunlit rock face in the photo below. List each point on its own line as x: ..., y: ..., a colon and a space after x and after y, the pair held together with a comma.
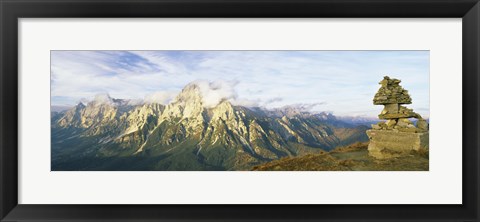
x: 398, y: 135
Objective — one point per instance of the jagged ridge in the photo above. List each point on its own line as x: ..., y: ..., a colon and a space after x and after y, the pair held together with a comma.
x: 186, y: 135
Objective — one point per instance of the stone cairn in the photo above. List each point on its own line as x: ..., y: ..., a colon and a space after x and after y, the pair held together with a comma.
x: 397, y: 135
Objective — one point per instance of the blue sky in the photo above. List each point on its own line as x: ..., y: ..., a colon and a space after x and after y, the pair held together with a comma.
x: 341, y: 82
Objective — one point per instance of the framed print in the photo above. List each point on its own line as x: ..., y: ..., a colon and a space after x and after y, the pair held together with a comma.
x: 258, y: 118
x: 222, y: 110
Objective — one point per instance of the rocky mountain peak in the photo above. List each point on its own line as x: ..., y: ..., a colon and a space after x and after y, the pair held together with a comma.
x: 190, y: 94
x: 80, y: 106
x: 224, y: 110
x: 102, y: 99
x: 187, y: 105
x: 291, y: 111
x: 101, y: 110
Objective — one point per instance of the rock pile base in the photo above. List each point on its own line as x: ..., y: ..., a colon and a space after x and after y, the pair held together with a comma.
x: 388, y: 144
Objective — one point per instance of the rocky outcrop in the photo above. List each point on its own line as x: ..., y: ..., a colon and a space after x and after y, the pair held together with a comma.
x: 398, y: 134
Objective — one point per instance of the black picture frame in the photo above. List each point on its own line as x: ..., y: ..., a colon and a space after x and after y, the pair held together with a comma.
x: 12, y: 10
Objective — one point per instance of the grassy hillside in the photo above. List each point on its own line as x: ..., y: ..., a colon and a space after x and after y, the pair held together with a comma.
x: 349, y: 158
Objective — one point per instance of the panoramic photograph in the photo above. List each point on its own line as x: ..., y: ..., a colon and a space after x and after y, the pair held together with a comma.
x: 185, y: 110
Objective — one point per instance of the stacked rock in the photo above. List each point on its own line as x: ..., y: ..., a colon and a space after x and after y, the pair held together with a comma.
x: 397, y: 135
x: 393, y: 96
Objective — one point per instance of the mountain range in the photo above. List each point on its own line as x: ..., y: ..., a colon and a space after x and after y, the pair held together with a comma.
x: 116, y: 134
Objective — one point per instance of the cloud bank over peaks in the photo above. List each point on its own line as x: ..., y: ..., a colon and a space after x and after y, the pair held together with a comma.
x: 103, y: 99
x: 161, y: 97
x: 209, y: 93
x: 214, y: 92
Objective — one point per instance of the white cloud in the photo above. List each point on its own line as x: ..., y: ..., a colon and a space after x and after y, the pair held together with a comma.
x: 245, y: 102
x: 162, y: 97
x: 103, y: 98
x: 213, y: 92
x: 304, y: 106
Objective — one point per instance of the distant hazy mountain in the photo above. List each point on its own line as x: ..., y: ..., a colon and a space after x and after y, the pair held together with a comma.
x: 59, y: 108
x: 359, y: 120
x: 115, y: 134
